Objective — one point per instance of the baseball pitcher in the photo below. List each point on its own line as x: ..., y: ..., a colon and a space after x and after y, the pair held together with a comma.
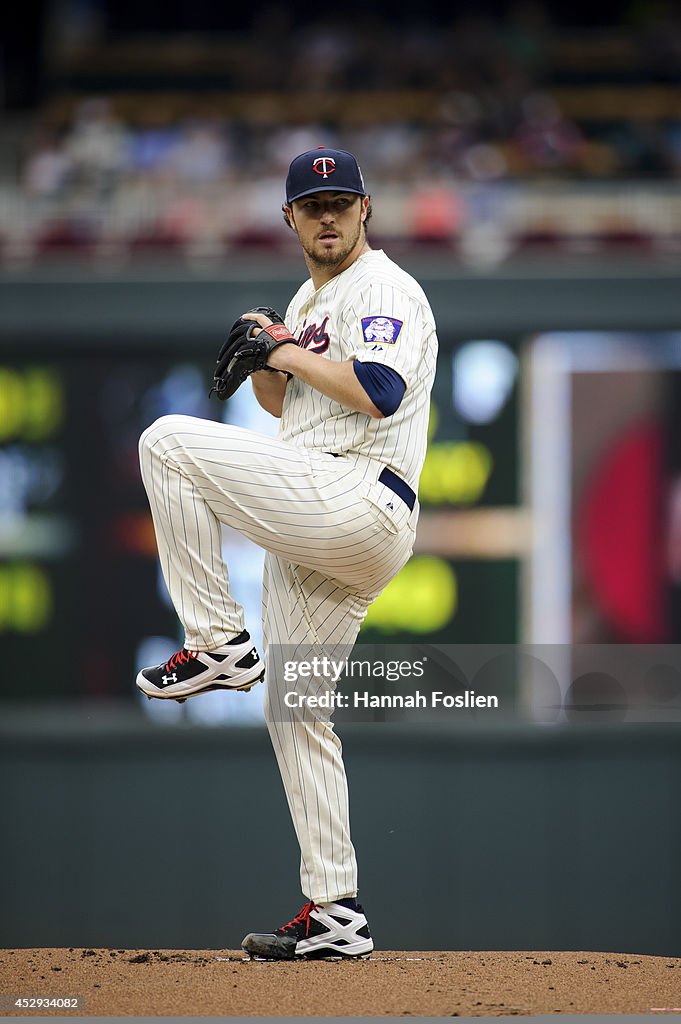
x: 332, y: 499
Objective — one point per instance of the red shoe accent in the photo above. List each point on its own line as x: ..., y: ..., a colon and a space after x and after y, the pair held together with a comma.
x: 303, y: 917
x: 180, y: 658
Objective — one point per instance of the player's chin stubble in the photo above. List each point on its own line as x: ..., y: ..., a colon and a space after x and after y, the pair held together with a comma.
x: 329, y: 257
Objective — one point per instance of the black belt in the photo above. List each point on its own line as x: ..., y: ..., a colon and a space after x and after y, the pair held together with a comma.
x: 396, y: 484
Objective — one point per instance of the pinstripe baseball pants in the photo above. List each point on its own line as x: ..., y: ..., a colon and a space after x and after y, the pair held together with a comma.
x: 331, y: 548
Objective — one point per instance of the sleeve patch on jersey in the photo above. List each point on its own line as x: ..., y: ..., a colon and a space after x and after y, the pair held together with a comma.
x: 381, y: 328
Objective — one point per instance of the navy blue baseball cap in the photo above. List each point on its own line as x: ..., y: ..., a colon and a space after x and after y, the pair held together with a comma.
x: 323, y: 170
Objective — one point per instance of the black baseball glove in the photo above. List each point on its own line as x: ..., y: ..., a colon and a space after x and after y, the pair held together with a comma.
x: 242, y: 353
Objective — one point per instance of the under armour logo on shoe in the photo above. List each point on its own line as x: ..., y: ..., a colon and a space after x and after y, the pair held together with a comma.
x: 169, y: 679
x: 249, y: 659
x: 390, y: 506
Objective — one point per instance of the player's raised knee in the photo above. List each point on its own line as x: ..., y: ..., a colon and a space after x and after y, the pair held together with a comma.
x: 158, y: 435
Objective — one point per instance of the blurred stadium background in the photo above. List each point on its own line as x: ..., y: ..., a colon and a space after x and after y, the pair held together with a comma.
x: 525, y: 162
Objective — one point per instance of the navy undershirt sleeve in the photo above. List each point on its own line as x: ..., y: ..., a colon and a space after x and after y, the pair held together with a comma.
x: 383, y: 385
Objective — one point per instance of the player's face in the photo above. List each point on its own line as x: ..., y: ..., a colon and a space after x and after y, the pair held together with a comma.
x: 329, y: 226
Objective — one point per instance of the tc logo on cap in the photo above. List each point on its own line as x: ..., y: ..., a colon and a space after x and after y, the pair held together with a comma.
x: 323, y: 170
x: 324, y: 165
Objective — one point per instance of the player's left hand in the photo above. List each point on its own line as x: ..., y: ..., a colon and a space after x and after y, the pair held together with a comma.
x: 247, y: 348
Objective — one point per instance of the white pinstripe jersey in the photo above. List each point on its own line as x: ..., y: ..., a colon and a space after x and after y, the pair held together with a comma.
x: 373, y: 311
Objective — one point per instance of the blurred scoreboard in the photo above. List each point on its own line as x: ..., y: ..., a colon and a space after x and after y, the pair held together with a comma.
x: 80, y: 589
x: 78, y: 568
x: 462, y: 584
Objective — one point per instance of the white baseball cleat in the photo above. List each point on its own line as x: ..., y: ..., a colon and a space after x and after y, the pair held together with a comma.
x: 326, y: 931
x: 236, y: 666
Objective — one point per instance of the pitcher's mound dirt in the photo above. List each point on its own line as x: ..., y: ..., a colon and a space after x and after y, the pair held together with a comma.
x: 116, y: 982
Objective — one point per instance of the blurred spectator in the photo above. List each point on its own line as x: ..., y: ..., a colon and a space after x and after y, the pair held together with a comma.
x: 434, y: 212
x: 388, y: 149
x: 199, y: 154
x: 484, y: 161
x: 47, y: 168
x: 451, y: 117
x: 545, y: 141
x: 151, y: 147
x: 96, y: 145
